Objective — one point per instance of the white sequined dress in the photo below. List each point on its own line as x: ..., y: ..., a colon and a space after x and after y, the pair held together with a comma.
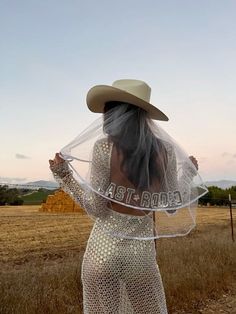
x: 119, y: 275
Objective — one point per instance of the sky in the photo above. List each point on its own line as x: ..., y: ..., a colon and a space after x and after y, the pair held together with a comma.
x: 53, y: 52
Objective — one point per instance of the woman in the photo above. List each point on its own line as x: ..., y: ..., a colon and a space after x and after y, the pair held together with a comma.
x: 130, y: 167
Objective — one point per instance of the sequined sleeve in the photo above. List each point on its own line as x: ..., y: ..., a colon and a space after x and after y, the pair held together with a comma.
x: 183, y: 183
x: 172, y: 171
x: 92, y: 202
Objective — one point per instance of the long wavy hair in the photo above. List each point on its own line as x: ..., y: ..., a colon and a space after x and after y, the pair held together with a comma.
x: 144, y: 155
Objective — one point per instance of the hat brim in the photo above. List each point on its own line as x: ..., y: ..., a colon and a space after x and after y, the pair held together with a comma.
x: 98, y: 95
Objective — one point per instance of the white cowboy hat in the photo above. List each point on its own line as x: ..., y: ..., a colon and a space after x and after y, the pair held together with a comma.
x: 135, y: 92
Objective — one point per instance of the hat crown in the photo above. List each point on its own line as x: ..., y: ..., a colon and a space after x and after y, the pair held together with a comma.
x: 130, y: 91
x: 137, y: 88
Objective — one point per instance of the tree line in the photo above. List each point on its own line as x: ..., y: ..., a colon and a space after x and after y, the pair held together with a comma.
x: 215, y: 196
x: 10, y: 196
x: 218, y: 196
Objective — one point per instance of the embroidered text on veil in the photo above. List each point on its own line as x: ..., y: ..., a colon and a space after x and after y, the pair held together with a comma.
x: 146, y: 199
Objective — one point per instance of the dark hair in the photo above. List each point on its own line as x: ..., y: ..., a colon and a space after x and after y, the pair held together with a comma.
x: 126, y: 141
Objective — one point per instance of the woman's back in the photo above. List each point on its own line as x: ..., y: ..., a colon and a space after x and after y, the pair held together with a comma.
x: 117, y: 175
x: 138, y: 158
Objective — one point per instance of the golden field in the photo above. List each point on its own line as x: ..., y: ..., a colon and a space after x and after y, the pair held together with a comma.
x: 41, y: 255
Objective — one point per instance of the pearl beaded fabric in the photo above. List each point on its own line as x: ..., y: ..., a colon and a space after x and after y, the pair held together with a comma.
x: 119, y: 275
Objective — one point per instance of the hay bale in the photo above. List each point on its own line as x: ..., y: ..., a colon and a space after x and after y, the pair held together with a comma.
x: 78, y: 208
x: 60, y: 202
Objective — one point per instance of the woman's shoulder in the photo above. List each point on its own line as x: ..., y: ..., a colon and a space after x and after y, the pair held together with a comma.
x: 104, y: 145
x: 169, y: 147
x: 102, y: 151
x: 101, y: 141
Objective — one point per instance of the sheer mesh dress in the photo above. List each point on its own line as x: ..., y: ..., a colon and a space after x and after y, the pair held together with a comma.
x: 119, y: 275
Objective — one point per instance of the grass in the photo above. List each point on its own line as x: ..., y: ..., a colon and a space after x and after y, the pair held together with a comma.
x: 43, y: 287
x: 36, y: 197
x: 200, y: 266
x: 41, y: 255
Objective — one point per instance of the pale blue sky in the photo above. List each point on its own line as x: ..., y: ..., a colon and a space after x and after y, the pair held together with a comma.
x: 52, y: 52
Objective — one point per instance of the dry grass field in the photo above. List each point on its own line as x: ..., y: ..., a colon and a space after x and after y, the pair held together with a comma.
x: 41, y: 255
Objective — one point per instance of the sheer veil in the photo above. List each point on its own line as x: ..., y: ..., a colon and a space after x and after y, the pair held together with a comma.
x: 149, y: 170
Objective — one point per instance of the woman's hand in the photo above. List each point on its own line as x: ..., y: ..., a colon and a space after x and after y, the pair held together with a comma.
x: 57, y: 160
x: 194, y: 161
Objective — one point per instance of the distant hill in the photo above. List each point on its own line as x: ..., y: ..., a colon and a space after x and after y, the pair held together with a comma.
x: 49, y: 185
x: 35, y: 185
x: 223, y: 184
